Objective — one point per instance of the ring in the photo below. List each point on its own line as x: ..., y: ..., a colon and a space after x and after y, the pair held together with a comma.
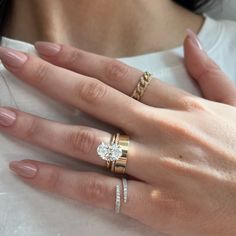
x: 125, y: 189
x: 115, y: 153
x: 118, y: 202
x: 109, y: 152
x: 119, y: 166
x: 118, y: 195
x: 113, y: 139
x: 142, y: 85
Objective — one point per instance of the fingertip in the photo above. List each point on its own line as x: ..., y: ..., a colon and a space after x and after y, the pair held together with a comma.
x: 192, y: 36
x: 194, y: 56
x: 23, y: 169
x: 12, y: 58
x: 192, y: 45
x: 47, y: 49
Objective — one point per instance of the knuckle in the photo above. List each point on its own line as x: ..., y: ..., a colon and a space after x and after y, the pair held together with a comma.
x: 81, y: 141
x: 53, y: 180
x: 116, y: 70
x: 33, y: 129
x: 173, y: 211
x: 189, y: 103
x: 229, y: 101
x: 209, y: 69
x: 40, y: 74
x: 95, y: 190
x: 92, y: 91
x: 73, y: 58
x: 170, y: 210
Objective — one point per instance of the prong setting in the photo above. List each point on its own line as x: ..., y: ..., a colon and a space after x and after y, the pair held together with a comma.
x: 109, y: 152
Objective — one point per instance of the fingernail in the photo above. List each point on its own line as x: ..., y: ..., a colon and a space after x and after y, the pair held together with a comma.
x: 7, y: 117
x: 194, y: 38
x: 47, y: 49
x: 12, y: 58
x: 23, y: 169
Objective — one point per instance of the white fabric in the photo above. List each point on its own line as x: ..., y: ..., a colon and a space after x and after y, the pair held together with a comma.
x: 25, y: 211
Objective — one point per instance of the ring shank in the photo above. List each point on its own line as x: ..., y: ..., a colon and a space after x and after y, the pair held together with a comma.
x: 119, y: 166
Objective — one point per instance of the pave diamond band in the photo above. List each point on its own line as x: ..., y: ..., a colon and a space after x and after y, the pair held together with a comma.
x: 118, y: 199
x: 125, y: 189
x: 118, y: 195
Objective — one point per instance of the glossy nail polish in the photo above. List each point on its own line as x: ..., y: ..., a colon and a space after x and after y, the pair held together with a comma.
x: 47, y: 49
x: 194, y: 38
x: 7, y: 117
x: 23, y: 169
x: 12, y: 58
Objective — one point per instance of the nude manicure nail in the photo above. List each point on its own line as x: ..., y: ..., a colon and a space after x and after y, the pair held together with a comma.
x: 7, y: 117
x: 23, y: 169
x: 12, y: 58
x: 47, y: 49
x: 194, y: 39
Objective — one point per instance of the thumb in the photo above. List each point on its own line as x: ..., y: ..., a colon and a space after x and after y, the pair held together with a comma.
x: 214, y: 83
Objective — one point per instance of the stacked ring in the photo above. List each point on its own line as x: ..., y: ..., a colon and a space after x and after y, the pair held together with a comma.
x: 118, y: 199
x: 119, y: 165
x: 115, y: 153
x: 113, y: 139
x: 118, y: 195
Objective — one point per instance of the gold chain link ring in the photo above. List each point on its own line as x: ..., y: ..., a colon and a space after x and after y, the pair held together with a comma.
x: 142, y: 85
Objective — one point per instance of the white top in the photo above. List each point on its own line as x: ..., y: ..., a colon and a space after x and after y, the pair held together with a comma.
x: 26, y: 211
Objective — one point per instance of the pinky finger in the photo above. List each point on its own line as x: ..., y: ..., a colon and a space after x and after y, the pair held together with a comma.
x: 88, y: 187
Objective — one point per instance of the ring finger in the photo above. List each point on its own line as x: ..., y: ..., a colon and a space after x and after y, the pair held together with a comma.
x: 76, y: 141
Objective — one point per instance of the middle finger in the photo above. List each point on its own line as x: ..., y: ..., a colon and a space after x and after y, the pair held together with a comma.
x: 88, y: 94
x: 112, y: 72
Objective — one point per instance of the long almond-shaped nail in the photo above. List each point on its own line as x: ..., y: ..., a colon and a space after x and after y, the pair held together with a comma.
x: 47, y: 49
x: 23, y: 169
x: 7, y: 117
x: 194, y: 38
x: 12, y: 58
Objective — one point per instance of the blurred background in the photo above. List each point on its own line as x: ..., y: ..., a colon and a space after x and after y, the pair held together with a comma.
x: 226, y: 9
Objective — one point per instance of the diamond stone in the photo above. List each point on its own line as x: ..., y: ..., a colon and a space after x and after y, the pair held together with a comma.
x: 109, y: 152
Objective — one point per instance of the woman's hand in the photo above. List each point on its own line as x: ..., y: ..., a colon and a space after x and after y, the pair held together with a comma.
x: 182, y: 150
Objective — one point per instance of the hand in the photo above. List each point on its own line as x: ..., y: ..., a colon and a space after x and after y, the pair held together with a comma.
x: 182, y: 151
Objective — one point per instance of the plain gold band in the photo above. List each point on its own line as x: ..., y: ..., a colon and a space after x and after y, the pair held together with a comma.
x: 119, y: 166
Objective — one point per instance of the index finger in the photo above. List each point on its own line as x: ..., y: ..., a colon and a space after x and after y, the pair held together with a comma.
x: 88, y: 94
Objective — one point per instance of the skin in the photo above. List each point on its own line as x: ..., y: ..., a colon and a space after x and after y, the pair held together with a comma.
x: 124, y: 34
x: 183, y: 145
x: 188, y: 188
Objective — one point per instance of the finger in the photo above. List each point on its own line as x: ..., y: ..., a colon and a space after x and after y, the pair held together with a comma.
x: 91, y: 188
x: 79, y: 142
x: 214, y: 84
x: 110, y: 71
x: 85, y: 93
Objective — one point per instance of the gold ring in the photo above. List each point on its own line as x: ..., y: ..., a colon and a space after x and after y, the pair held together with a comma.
x: 113, y: 139
x: 115, y: 153
x: 119, y: 166
x: 142, y: 85
x: 116, y: 142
